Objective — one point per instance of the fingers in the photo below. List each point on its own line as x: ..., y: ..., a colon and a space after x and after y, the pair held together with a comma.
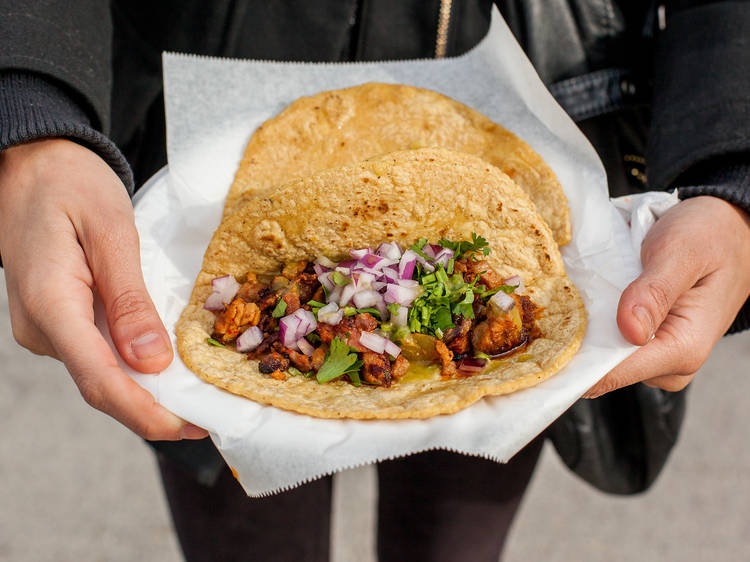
x: 103, y: 384
x: 646, y: 302
x: 679, y: 348
x: 135, y: 326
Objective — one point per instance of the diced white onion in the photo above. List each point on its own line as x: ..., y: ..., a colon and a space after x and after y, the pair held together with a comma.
x: 372, y: 341
x: 305, y: 346
x: 503, y: 301
x: 391, y: 348
x: 401, y: 318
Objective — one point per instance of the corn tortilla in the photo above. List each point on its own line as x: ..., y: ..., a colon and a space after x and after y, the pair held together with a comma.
x: 402, y: 196
x: 346, y: 126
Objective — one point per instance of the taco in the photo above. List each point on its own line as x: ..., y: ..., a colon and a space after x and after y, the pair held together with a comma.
x: 346, y: 126
x: 476, y: 237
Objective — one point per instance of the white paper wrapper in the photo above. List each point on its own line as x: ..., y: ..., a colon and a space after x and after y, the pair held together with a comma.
x: 214, y: 105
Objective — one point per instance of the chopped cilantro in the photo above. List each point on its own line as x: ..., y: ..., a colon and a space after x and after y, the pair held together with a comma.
x: 351, y: 311
x: 312, y: 337
x: 393, y: 308
x: 339, y: 360
x: 280, y: 309
x: 295, y: 371
x: 417, y: 247
x: 214, y: 342
x: 477, y: 244
x: 316, y: 304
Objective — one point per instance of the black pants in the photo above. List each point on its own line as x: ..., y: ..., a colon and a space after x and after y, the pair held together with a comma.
x: 432, y: 506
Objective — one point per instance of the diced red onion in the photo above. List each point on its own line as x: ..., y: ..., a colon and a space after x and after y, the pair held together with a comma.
x: 427, y: 266
x: 390, y: 250
x: 380, y: 305
x: 443, y: 256
x: 391, y: 348
x: 324, y: 261
x: 359, y: 254
x: 429, y: 250
x: 363, y: 279
x: 249, y: 339
x: 305, y: 346
x: 347, y: 294
x: 288, y: 330
x: 515, y: 280
x: 472, y: 364
x: 330, y: 314
x: 319, y: 269
x: 407, y: 264
x: 390, y: 274
x: 307, y: 321
x: 365, y: 299
x: 377, y: 285
x: 410, y: 283
x: 335, y: 294
x: 343, y: 270
x: 401, y: 295
x: 348, y: 263
x: 372, y: 341
x: 326, y: 281
x: 376, y: 262
x: 224, y: 290
x: 503, y: 301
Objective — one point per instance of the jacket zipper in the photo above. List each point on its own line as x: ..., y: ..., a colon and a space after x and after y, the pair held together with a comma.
x: 444, y: 19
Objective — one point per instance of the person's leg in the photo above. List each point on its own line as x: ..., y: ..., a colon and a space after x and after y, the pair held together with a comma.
x: 221, y: 523
x: 439, y: 505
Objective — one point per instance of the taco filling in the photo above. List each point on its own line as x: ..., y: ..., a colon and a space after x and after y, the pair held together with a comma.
x: 377, y: 317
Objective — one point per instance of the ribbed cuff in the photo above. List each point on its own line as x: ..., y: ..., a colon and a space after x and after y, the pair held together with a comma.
x: 728, y: 178
x: 32, y: 107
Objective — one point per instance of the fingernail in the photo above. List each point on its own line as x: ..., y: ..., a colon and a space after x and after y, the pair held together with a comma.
x: 191, y: 431
x: 149, y: 345
x: 644, y: 318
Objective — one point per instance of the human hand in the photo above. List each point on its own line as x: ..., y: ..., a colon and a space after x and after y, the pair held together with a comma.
x: 67, y: 228
x: 696, y: 276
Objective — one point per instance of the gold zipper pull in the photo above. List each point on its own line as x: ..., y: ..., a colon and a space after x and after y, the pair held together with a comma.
x: 444, y: 19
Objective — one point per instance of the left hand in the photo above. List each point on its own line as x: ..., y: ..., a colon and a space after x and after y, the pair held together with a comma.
x: 696, y: 276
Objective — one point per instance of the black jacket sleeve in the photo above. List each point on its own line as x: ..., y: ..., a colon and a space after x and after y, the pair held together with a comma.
x: 701, y: 99
x: 55, y: 75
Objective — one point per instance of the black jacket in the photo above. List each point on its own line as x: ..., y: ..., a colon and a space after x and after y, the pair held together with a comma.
x: 662, y: 93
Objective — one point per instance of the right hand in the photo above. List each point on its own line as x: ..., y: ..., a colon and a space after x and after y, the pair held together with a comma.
x: 66, y: 228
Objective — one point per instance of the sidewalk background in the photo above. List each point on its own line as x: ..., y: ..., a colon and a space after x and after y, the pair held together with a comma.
x: 75, y: 485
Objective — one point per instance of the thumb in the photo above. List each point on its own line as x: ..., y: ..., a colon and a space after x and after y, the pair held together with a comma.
x: 646, y: 302
x: 114, y: 258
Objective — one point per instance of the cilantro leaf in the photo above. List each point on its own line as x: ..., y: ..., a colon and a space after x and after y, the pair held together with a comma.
x: 280, y: 309
x: 214, y: 342
x: 477, y: 244
x: 339, y: 360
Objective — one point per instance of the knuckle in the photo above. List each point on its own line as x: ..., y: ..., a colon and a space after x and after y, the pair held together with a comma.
x: 92, y: 393
x: 129, y: 307
x: 658, y: 292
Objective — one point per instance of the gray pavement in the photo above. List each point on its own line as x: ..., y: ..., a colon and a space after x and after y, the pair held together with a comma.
x: 76, y: 486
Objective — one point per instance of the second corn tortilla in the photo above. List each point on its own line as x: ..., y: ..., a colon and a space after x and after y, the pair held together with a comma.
x: 346, y: 126
x: 431, y: 193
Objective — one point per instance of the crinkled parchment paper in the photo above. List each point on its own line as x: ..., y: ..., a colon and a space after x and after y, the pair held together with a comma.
x: 214, y: 105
